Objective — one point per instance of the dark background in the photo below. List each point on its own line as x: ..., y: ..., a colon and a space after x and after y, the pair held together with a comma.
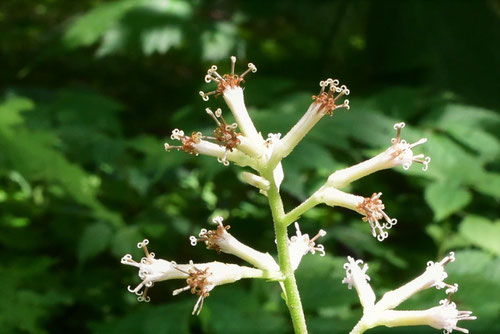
x: 92, y: 89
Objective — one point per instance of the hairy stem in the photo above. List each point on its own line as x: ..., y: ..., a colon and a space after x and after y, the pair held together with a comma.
x: 291, y: 291
x: 308, y: 204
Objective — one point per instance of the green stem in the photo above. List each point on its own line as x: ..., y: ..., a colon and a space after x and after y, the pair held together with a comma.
x: 291, y: 291
x: 293, y: 215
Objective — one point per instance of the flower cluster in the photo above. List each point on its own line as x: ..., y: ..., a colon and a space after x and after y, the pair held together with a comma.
x: 201, y: 278
x: 300, y: 244
x: 241, y: 143
x: 382, y: 313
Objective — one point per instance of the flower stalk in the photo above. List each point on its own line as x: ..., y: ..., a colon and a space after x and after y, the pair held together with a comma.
x: 242, y: 144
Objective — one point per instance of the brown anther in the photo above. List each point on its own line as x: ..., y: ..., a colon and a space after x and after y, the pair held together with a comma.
x: 225, y: 134
x: 373, y: 210
x: 188, y: 143
x: 211, y: 237
x: 227, y: 80
x: 198, y: 283
x: 328, y: 100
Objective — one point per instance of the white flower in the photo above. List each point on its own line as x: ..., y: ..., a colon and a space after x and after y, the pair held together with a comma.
x: 433, y: 276
x: 357, y: 277
x: 300, y: 244
x: 222, y: 241
x: 203, y: 278
x: 446, y: 317
x: 228, y: 85
x: 224, y: 152
x: 151, y: 270
x: 256, y: 181
x: 324, y: 103
x: 373, y: 210
x: 400, y: 153
x: 270, y: 144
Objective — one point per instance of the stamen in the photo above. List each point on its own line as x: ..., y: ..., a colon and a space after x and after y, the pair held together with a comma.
x: 373, y: 210
x: 251, y: 67
x: 226, y: 81
x: 233, y: 63
x: 402, y: 152
x: 197, y: 283
x: 205, y: 96
x: 327, y: 100
x: 143, y: 245
x: 187, y: 142
x: 225, y: 135
x: 211, y: 238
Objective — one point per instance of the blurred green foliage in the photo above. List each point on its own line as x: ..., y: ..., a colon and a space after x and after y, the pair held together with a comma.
x: 92, y: 89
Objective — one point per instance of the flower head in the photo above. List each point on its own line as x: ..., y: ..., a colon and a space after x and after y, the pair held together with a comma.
x: 328, y: 100
x: 188, y: 142
x: 225, y: 134
x: 356, y: 276
x: 203, y: 278
x: 213, y: 238
x: 446, y: 316
x: 401, y: 151
x: 151, y: 270
x: 198, y: 284
x: 435, y: 274
x: 373, y: 210
x: 225, y: 81
x: 300, y: 244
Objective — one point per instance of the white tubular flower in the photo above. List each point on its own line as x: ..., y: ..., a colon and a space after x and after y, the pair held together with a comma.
x: 400, y: 153
x: 445, y: 317
x: 222, y: 241
x: 270, y: 144
x: 202, y: 278
x: 256, y: 181
x: 433, y: 276
x: 324, y: 103
x: 371, y: 208
x: 228, y: 85
x: 357, y: 277
x: 196, y: 144
x: 300, y: 244
x: 151, y: 270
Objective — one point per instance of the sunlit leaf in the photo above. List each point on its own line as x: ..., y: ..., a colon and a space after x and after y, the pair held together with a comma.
x: 446, y: 199
x: 482, y: 233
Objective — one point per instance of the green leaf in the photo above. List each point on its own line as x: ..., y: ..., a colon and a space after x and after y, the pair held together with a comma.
x: 151, y: 319
x: 328, y: 271
x: 88, y: 28
x: 482, y: 233
x: 450, y: 161
x: 160, y: 39
x: 124, y: 241
x: 218, y: 43
x: 480, y: 141
x: 477, y: 274
x: 243, y: 313
x: 458, y: 114
x: 446, y: 199
x: 94, y: 241
x: 488, y: 184
x: 10, y: 111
